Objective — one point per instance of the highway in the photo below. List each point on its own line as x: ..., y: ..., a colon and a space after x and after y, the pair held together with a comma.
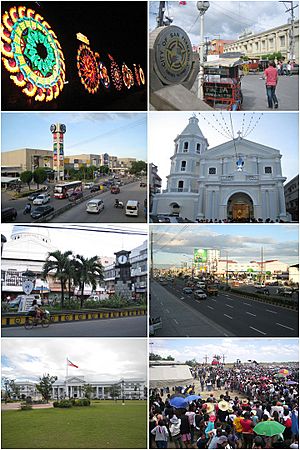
x: 236, y: 315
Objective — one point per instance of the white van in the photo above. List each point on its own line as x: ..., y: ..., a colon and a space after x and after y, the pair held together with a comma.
x: 95, y: 205
x: 88, y: 185
x: 132, y: 208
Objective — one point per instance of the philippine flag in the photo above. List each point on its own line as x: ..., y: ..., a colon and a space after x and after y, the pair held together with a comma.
x: 182, y: 3
x: 69, y: 363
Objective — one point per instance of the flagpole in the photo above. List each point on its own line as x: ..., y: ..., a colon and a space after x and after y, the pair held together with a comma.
x: 67, y: 378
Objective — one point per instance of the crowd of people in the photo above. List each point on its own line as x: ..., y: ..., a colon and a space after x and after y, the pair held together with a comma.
x: 252, y: 394
x: 249, y: 220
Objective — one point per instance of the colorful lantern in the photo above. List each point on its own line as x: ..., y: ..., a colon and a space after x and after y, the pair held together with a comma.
x: 32, y: 54
x: 115, y: 73
x: 88, y: 69
x: 104, y: 75
x: 128, y: 78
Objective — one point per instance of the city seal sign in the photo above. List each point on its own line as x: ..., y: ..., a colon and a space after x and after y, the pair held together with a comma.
x: 172, y: 55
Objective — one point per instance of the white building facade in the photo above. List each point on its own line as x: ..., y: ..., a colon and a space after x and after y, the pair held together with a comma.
x: 238, y: 180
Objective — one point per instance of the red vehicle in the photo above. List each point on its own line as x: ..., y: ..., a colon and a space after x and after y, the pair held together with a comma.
x: 64, y: 190
x: 115, y: 190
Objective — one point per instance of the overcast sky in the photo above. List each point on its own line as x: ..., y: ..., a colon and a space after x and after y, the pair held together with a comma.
x: 88, y: 243
x: 224, y: 20
x: 261, y: 350
x: 165, y: 126
x: 98, y: 359
x: 175, y: 244
x: 118, y: 134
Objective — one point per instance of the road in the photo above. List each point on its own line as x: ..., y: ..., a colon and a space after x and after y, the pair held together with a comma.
x: 131, y: 191
x: 235, y: 314
x: 119, y: 327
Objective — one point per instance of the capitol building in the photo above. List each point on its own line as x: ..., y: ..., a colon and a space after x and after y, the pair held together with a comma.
x: 237, y: 180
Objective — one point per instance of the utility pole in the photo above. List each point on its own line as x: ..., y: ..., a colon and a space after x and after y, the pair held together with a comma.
x: 227, y: 268
x: 161, y: 13
x: 151, y: 254
x: 223, y: 356
x: 292, y: 29
x: 205, y: 359
x: 261, y: 264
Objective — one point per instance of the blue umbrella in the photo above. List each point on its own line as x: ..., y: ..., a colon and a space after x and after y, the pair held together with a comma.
x: 295, y: 424
x: 191, y: 398
x: 179, y: 402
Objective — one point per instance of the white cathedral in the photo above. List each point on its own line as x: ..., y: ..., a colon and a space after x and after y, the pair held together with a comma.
x: 238, y: 180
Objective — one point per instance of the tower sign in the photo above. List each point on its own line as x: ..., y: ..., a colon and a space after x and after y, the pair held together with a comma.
x: 58, y: 130
x: 123, y: 282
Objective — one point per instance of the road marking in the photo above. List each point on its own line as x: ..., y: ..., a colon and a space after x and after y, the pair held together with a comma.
x: 250, y: 314
x: 181, y: 298
x: 213, y: 300
x: 248, y: 304
x: 161, y: 303
x: 210, y: 307
x: 274, y: 312
x: 176, y: 321
x: 229, y: 317
x: 229, y: 306
x: 167, y: 311
x: 261, y: 332
x: 284, y: 326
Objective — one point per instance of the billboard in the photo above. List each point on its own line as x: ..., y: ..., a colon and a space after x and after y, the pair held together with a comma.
x: 200, y: 255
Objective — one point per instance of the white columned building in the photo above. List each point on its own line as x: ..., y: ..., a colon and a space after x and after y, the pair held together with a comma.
x: 237, y: 180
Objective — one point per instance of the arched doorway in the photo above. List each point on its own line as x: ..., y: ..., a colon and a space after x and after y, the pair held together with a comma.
x: 240, y: 207
x: 174, y: 208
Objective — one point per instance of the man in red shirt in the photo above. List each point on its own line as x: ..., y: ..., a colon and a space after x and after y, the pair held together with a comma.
x: 271, y: 77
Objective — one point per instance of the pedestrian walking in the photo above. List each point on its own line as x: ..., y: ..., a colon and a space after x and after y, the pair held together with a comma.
x: 271, y: 77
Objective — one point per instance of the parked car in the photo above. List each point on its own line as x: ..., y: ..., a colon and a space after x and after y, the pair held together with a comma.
x: 8, y: 214
x: 199, y: 294
x: 96, y: 188
x: 75, y: 196
x: 41, y: 199
x: 33, y: 196
x: 95, y: 206
x: 187, y: 290
x: 115, y: 190
x: 41, y: 211
x: 88, y: 185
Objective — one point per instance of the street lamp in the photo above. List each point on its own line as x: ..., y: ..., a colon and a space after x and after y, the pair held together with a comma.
x: 202, y: 7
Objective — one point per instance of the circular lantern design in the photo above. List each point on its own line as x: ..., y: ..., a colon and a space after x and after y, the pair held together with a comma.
x: 88, y: 70
x: 141, y: 74
x: 32, y: 54
x: 104, y: 75
x: 115, y: 73
x: 128, y: 78
x: 137, y: 76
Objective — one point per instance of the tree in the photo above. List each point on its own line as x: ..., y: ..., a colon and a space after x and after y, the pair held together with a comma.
x: 115, y: 391
x: 10, y: 388
x: 104, y: 169
x: 58, y: 263
x: 191, y: 362
x: 89, y: 271
x: 44, y: 387
x: 39, y: 176
x: 156, y: 357
x: 138, y: 167
x: 88, y: 390
x: 26, y: 177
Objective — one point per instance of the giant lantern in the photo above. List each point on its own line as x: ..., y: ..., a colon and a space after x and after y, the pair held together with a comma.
x: 58, y: 130
x: 32, y: 54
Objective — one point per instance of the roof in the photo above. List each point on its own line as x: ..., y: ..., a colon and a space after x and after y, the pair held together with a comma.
x: 9, y: 179
x: 224, y: 62
x: 192, y: 128
x: 172, y: 374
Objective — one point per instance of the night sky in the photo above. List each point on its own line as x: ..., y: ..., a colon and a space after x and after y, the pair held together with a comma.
x: 115, y: 27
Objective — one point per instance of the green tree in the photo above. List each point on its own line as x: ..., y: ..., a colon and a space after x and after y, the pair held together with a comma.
x: 88, y: 390
x: 26, y: 177
x: 44, y: 387
x: 39, y: 176
x: 89, y: 271
x: 58, y: 263
x: 104, y: 169
x: 138, y: 167
x: 115, y: 391
x: 191, y: 362
x: 156, y: 357
x: 10, y: 388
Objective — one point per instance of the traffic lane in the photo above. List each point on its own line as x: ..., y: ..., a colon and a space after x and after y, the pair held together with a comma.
x: 119, y: 327
x: 179, y: 319
x: 131, y: 191
x: 242, y: 316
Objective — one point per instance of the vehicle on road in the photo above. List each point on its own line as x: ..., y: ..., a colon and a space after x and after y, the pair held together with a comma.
x: 16, y: 302
x: 41, y: 211
x: 187, y: 290
x: 118, y: 204
x: 95, y: 206
x: 143, y: 184
x: 259, y: 285
x: 132, y: 208
x: 63, y: 190
x: 165, y: 218
x: 75, y: 196
x: 115, y: 190
x: 8, y: 214
x: 88, y: 185
x: 199, y: 294
x: 33, y: 196
x: 31, y: 321
x: 212, y: 289
x: 155, y: 324
x: 285, y: 291
x: 201, y: 285
x: 41, y: 199
x: 96, y: 188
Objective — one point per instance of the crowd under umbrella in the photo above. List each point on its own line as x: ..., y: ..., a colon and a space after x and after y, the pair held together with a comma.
x: 179, y: 402
x: 291, y: 382
x: 192, y: 398
x: 269, y: 428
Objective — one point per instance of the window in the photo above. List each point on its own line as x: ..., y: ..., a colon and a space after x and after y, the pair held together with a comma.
x: 212, y: 171
x: 282, y: 41
x: 183, y: 166
x: 268, y: 169
x: 176, y: 148
x: 271, y: 42
x: 185, y: 146
x: 180, y: 186
x: 198, y: 148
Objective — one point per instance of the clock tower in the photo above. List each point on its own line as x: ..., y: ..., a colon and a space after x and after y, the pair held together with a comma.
x: 123, y: 282
x: 58, y: 130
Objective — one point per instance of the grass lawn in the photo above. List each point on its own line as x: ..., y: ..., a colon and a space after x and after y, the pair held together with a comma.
x: 104, y: 424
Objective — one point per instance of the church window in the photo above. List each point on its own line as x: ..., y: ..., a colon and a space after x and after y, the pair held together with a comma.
x: 176, y: 148
x: 180, y: 186
x: 183, y: 166
x: 198, y: 148
x: 268, y: 169
x: 185, y: 146
x: 212, y: 171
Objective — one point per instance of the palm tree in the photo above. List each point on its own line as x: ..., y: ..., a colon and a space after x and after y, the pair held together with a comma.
x: 89, y: 271
x: 58, y: 263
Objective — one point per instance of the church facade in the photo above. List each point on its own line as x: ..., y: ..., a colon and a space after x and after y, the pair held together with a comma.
x: 237, y: 180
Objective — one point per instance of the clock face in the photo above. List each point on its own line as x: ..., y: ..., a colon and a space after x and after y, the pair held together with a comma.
x: 27, y: 286
x: 63, y: 128
x: 122, y: 259
x: 52, y: 128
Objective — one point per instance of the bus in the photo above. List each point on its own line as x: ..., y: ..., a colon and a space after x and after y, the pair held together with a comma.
x: 63, y: 190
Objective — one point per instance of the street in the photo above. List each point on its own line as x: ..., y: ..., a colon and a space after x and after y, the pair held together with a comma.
x: 236, y: 315
x: 125, y: 327
x: 77, y: 213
